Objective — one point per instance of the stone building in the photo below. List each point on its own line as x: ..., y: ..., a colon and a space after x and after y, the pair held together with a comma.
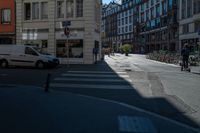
x: 40, y: 23
x: 189, y: 20
x: 158, y: 25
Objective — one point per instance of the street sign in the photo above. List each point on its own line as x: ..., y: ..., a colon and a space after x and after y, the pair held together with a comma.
x: 66, y: 23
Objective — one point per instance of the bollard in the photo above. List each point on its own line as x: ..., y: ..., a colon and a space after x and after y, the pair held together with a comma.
x: 46, y: 87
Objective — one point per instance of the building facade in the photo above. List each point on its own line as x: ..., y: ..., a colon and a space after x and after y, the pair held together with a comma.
x: 189, y: 20
x: 158, y: 25
x: 125, y: 22
x: 40, y: 23
x: 109, y: 25
x: 7, y: 21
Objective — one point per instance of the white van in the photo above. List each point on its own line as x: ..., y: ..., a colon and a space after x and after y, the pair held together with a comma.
x: 23, y: 55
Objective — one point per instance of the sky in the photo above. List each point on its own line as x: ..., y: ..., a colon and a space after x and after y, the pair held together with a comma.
x: 106, y: 1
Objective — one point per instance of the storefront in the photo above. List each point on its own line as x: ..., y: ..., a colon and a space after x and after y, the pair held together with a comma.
x: 70, y: 49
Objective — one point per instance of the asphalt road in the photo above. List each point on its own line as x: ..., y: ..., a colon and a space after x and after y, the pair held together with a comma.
x: 155, y: 87
x: 154, y: 79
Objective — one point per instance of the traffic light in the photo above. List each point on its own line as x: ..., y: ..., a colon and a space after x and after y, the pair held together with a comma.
x: 67, y: 31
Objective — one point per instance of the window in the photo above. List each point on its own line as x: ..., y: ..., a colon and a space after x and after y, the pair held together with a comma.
x: 142, y: 7
x: 196, y: 6
x: 189, y: 8
x: 79, y: 8
x: 185, y: 28
x: 126, y: 30
x: 130, y: 19
x: 122, y: 21
x: 152, y: 13
x: 147, y: 4
x: 130, y: 27
x: 164, y: 7
x: 183, y: 9
x: 30, y: 51
x: 157, y: 10
x: 5, y: 16
x: 73, y: 50
x: 60, y: 9
x: 44, y: 10
x: 126, y: 20
x: 35, y: 10
x: 69, y: 8
x: 142, y: 17
x: 147, y: 15
x: 170, y: 4
x: 152, y: 2
x: 197, y: 26
x: 27, y: 11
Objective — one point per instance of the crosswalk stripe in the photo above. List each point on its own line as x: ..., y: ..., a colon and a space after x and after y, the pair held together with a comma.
x: 93, y: 75
x: 62, y: 85
x: 92, y: 79
x: 97, y: 72
x: 136, y: 124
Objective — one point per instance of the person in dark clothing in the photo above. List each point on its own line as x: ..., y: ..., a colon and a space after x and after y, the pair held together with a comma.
x: 185, y: 52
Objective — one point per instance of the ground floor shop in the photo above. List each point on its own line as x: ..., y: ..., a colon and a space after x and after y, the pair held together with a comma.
x: 7, y: 39
x: 74, y: 49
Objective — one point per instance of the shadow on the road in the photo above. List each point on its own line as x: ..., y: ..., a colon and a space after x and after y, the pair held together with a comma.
x: 159, y: 105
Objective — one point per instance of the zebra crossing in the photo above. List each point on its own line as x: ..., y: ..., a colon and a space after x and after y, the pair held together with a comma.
x: 92, y: 80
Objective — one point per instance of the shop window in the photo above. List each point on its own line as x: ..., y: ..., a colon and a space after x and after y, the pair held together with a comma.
x: 73, y: 49
x: 5, y: 16
x: 27, y: 11
x: 44, y: 43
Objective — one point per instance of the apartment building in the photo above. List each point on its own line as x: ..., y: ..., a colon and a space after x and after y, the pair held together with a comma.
x: 7, y: 21
x: 189, y: 20
x: 40, y: 23
x: 158, y: 25
x: 109, y: 25
x: 125, y: 22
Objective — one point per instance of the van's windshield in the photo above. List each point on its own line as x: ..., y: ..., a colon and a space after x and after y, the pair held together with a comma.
x: 39, y: 50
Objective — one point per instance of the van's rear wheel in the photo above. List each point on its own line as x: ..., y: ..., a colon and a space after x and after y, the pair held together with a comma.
x: 40, y: 65
x: 4, y: 64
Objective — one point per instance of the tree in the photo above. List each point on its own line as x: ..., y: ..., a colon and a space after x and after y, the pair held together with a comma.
x: 126, y: 48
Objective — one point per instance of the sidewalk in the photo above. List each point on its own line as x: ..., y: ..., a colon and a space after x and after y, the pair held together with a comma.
x: 195, y: 69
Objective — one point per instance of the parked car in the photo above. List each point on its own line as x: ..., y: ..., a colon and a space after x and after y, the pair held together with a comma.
x: 23, y: 55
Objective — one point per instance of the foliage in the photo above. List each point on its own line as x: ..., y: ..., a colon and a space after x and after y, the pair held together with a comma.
x: 126, y: 48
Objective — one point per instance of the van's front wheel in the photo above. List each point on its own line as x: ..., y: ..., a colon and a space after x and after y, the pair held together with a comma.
x: 40, y: 65
x: 4, y: 64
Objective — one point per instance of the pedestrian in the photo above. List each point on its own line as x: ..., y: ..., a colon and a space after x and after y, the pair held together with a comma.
x: 95, y: 52
x: 185, y: 52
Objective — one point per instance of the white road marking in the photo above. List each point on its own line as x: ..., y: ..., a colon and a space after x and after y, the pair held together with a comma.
x: 93, y: 75
x: 97, y: 72
x: 92, y: 79
x: 135, y: 124
x: 84, y: 86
